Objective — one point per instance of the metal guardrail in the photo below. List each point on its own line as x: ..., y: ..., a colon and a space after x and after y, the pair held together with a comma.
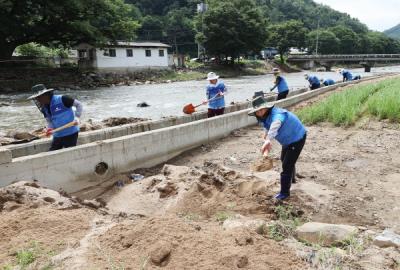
x: 344, y: 56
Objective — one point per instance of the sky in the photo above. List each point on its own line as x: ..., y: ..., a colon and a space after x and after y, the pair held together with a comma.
x: 378, y: 15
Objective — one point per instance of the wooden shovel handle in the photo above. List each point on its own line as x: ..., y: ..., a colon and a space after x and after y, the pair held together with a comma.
x: 70, y: 124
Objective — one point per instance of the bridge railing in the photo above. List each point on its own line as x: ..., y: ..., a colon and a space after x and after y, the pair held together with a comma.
x: 344, y: 56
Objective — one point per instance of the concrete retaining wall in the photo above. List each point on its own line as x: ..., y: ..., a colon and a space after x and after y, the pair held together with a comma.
x: 43, y: 145
x: 73, y: 169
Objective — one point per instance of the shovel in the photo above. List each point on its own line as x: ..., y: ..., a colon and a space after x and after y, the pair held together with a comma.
x: 190, y: 108
x: 43, y: 135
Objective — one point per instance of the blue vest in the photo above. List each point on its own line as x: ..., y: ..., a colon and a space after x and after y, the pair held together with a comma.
x: 329, y: 82
x: 59, y: 116
x: 212, y: 91
x: 291, y: 130
x: 282, y: 86
x: 313, y: 80
x: 347, y: 75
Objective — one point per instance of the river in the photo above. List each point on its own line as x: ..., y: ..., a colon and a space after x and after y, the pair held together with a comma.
x: 164, y: 99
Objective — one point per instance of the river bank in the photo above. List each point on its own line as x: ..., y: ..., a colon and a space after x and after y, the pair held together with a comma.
x: 21, y: 79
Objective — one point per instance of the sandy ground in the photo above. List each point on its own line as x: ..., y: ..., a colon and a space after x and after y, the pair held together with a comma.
x: 204, y: 210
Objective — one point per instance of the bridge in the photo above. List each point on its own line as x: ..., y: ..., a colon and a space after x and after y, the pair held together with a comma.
x: 329, y: 60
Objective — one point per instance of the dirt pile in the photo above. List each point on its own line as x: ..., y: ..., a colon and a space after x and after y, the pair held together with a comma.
x: 37, y: 222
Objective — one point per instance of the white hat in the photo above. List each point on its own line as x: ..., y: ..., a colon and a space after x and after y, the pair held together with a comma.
x: 212, y: 76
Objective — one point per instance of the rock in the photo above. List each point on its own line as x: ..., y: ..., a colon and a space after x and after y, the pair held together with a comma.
x: 2, y: 104
x: 161, y: 254
x: 167, y: 190
x: 143, y: 104
x: 92, y: 203
x: 175, y: 172
x: 387, y: 239
x: 324, y: 234
x: 242, y: 262
x: 244, y: 240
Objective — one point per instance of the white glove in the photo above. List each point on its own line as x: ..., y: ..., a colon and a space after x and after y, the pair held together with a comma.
x: 77, y: 121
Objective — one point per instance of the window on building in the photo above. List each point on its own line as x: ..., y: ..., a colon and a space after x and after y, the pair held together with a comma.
x: 82, y: 53
x: 129, y: 53
x: 148, y: 53
x: 112, y: 53
x: 161, y: 53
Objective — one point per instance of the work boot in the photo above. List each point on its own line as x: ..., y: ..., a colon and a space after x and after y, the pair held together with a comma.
x: 281, y: 197
x: 286, y: 182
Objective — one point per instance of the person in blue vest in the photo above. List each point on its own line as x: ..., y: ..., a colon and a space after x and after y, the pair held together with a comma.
x: 327, y: 82
x: 215, y: 93
x: 280, y: 82
x: 313, y: 80
x: 286, y: 128
x: 57, y: 110
x: 348, y: 76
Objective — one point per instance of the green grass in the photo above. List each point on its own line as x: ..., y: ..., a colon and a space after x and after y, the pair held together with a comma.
x: 386, y: 103
x: 25, y: 257
x: 222, y: 216
x: 345, y: 108
x: 286, y: 224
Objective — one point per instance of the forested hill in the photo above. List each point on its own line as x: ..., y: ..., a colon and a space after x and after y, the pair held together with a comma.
x: 175, y: 21
x: 393, y: 32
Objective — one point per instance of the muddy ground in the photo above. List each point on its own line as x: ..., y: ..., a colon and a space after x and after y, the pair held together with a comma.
x: 207, y: 210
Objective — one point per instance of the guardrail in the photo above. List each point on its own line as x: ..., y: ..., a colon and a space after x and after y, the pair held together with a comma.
x: 344, y: 56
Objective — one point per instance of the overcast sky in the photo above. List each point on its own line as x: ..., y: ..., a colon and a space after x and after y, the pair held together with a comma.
x: 377, y: 14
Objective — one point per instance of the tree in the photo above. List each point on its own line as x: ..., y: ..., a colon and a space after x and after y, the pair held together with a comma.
x: 63, y: 22
x: 286, y: 35
x: 349, y: 41
x: 231, y: 28
x: 328, y: 43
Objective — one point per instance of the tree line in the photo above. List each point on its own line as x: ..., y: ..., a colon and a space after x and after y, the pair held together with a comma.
x: 228, y: 29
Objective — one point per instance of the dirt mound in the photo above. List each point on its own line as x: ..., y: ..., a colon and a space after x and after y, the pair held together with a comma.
x: 117, y: 121
x: 261, y: 165
x: 178, y: 243
x: 31, y: 194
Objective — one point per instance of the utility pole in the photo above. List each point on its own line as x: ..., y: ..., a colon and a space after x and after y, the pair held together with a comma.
x: 201, y: 8
x: 316, y: 46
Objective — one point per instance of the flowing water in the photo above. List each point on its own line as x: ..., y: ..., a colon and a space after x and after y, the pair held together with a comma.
x: 164, y: 99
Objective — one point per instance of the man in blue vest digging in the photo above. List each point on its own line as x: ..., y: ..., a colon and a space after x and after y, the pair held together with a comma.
x: 313, y: 80
x: 280, y: 82
x: 287, y: 129
x: 62, y: 121
x: 215, y: 92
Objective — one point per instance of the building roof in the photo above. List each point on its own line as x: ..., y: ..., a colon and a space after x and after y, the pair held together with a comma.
x: 126, y: 44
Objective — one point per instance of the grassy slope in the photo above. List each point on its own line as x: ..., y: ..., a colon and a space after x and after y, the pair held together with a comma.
x: 379, y: 99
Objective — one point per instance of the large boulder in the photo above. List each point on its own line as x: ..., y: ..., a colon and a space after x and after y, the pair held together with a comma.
x: 387, y: 239
x: 324, y: 234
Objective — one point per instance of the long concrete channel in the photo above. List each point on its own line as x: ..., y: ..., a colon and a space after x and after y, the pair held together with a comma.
x: 104, y: 153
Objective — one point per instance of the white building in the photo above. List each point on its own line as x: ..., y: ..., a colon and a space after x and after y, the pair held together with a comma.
x: 124, y: 56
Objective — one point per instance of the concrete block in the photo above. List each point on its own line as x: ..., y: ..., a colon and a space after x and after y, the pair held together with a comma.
x: 5, y: 156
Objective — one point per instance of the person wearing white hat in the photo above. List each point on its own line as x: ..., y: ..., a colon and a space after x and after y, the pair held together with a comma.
x: 313, y: 80
x: 286, y: 128
x: 280, y: 82
x: 215, y: 93
x: 57, y: 110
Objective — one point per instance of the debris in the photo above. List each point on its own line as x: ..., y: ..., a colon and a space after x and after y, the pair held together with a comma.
x: 161, y: 254
x: 136, y: 177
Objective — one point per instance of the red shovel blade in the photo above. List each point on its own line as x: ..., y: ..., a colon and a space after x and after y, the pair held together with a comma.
x: 189, y: 109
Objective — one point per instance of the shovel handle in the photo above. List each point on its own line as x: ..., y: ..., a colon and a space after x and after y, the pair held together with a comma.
x: 211, y: 99
x: 70, y: 124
